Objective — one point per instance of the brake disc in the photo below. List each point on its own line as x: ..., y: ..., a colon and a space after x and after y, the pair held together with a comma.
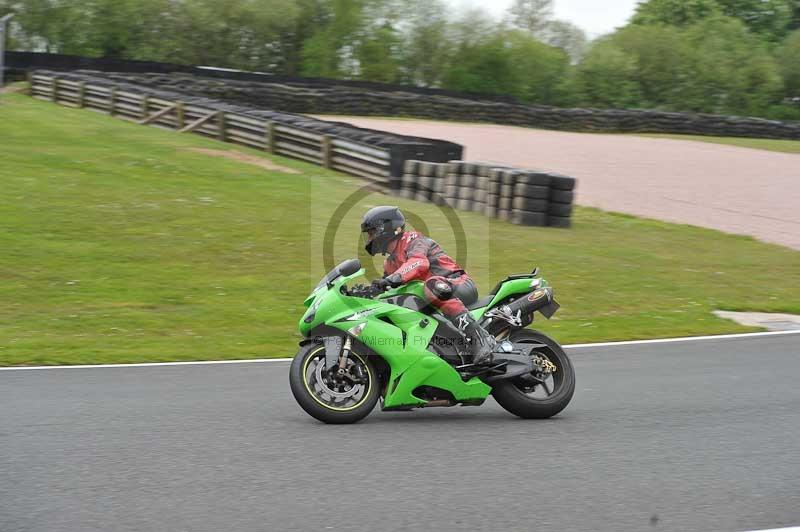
x: 322, y: 382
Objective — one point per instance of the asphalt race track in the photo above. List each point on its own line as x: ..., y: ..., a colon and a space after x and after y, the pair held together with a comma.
x: 699, y: 435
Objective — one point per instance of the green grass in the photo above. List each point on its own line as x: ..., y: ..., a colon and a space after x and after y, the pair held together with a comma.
x: 119, y: 245
x: 783, y: 146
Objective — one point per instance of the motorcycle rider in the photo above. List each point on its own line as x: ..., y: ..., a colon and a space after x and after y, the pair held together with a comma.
x: 413, y: 256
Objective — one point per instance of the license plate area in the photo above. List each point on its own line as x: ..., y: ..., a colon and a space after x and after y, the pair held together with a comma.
x: 549, y: 310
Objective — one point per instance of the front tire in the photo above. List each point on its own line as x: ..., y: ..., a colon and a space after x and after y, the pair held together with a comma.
x: 330, y: 400
x: 515, y: 396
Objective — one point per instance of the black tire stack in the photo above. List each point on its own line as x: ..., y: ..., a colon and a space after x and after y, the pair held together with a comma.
x: 459, y: 185
x: 530, y: 201
x: 493, y: 185
x: 523, y: 197
x: 562, y: 196
x: 438, y: 184
x: 481, y: 190
x: 408, y: 183
x: 424, y: 181
x: 468, y: 187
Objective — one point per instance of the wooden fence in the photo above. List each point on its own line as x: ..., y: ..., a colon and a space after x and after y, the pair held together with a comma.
x: 328, y: 151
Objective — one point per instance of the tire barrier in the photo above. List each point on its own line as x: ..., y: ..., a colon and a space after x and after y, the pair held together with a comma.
x: 340, y: 99
x: 21, y: 62
x: 326, y: 96
x: 374, y: 155
x: 523, y: 197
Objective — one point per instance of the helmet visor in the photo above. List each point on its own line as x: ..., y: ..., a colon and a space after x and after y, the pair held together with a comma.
x: 369, y: 234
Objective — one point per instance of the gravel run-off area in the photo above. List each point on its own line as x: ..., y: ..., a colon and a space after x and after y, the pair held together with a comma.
x: 736, y: 190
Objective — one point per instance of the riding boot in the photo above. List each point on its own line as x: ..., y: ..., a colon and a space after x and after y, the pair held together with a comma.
x: 481, y: 343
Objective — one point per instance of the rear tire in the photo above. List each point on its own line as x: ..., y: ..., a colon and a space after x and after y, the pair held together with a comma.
x: 306, y: 388
x: 511, y: 397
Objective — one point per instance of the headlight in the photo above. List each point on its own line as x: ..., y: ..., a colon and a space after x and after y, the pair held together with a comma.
x: 358, y: 329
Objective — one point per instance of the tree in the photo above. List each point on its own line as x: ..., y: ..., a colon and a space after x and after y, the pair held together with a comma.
x: 510, y: 62
x: 771, y: 19
x: 536, y: 18
x: 241, y: 34
x: 768, y: 18
x: 289, y: 47
x: 661, y: 56
x: 568, y: 37
x: 536, y: 69
x: 378, y: 56
x: 789, y: 60
x: 127, y: 29
x: 472, y: 26
x: 48, y: 25
x: 674, y: 12
x: 482, y: 67
x: 730, y: 70
x: 533, y: 16
x: 607, y: 77
x: 795, y: 23
x: 326, y: 51
x: 427, y: 46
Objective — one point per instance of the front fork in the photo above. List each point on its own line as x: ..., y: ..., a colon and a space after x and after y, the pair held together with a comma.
x: 337, y: 351
x: 348, y: 344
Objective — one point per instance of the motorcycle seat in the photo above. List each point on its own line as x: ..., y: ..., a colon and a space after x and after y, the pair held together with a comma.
x: 483, y: 302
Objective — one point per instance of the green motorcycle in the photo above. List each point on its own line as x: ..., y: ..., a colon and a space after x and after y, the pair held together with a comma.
x: 361, y: 347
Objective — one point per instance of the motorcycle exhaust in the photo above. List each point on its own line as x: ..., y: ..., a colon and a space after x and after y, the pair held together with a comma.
x: 519, y: 313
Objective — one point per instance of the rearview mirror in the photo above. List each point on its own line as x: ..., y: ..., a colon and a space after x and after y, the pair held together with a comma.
x: 349, y: 267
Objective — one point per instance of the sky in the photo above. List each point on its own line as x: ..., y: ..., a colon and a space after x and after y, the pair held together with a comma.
x: 596, y: 17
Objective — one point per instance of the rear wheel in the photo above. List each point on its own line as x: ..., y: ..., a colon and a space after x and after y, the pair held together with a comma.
x: 545, y: 393
x: 329, y: 395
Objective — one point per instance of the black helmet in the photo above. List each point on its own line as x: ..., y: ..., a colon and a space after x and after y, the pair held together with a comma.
x: 380, y: 226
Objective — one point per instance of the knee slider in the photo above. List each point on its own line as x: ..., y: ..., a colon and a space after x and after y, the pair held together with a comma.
x: 440, y: 288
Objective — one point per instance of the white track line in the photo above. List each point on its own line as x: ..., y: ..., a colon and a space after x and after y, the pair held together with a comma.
x: 153, y: 364
x: 263, y: 360
x: 685, y: 339
x: 790, y: 529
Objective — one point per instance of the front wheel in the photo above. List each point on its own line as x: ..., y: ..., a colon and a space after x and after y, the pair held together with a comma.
x: 329, y: 395
x: 545, y: 393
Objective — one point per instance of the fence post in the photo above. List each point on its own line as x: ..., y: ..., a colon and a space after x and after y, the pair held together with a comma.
x: 180, y: 116
x: 269, y: 133
x: 82, y: 94
x: 327, y: 152
x: 112, y: 100
x: 145, y: 106
x: 221, y: 126
x: 54, y: 92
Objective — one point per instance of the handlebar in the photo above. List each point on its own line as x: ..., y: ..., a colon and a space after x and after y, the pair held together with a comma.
x: 363, y: 291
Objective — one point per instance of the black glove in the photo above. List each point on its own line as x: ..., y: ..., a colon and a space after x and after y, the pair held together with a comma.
x: 382, y: 285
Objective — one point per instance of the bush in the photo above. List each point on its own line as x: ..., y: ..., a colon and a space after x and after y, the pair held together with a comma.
x: 607, y: 77
x: 789, y: 60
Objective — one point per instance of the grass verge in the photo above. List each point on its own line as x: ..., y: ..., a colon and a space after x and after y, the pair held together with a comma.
x: 122, y: 243
x: 782, y: 146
